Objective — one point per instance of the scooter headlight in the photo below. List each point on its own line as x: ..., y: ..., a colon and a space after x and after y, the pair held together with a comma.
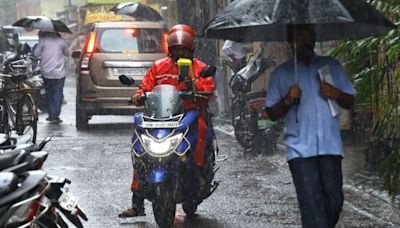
x: 161, y: 148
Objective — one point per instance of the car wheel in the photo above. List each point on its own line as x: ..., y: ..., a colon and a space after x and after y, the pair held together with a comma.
x: 81, y: 118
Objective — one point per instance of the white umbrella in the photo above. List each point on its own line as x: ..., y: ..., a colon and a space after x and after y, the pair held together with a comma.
x: 42, y: 23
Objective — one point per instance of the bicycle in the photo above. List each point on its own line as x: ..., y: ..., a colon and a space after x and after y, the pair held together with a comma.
x: 17, y: 106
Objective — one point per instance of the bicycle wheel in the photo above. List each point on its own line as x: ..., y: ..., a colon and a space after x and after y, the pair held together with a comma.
x: 4, y: 120
x: 23, y: 116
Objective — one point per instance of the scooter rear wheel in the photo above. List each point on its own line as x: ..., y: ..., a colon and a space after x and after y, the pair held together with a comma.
x: 240, y: 124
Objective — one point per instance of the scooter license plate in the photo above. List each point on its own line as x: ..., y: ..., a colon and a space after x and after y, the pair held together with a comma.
x: 67, y: 201
x: 149, y: 124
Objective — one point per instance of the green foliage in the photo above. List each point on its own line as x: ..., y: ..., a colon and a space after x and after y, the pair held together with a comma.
x: 373, y: 65
x: 390, y: 169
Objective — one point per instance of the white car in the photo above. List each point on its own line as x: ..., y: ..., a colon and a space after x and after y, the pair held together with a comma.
x: 30, y: 40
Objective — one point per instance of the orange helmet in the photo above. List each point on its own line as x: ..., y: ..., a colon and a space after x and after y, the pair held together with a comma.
x: 182, y: 27
x: 181, y: 35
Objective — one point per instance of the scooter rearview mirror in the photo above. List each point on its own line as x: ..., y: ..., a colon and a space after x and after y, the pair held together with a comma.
x: 126, y: 80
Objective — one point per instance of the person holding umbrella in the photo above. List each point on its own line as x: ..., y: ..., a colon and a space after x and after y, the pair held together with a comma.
x: 52, y: 49
x: 312, y: 136
x: 307, y: 90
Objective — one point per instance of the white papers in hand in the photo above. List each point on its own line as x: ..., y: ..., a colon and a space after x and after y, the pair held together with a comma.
x: 325, y: 75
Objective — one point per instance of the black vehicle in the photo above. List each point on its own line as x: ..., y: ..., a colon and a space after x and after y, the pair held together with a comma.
x: 253, y: 131
x: 29, y: 197
x: 22, y: 198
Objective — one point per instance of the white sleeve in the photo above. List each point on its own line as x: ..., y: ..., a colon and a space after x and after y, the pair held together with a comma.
x: 227, y: 48
x: 38, y: 50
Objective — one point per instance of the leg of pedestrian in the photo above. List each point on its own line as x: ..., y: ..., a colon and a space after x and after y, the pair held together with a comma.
x: 307, y: 182
x: 58, y: 96
x: 331, y: 175
x: 48, y: 85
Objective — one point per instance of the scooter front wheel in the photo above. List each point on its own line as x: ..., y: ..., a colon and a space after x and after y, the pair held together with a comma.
x: 164, y: 208
x: 189, y: 208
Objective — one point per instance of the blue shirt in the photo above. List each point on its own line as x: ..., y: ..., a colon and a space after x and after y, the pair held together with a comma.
x: 316, y: 132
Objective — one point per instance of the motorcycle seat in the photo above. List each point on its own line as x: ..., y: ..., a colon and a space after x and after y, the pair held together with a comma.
x: 8, y: 183
x: 256, y: 95
x: 29, y: 181
x: 12, y: 158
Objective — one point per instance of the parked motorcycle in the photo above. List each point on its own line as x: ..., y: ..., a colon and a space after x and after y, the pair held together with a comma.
x: 253, y: 131
x: 22, y: 199
x: 163, y: 152
x: 28, y: 196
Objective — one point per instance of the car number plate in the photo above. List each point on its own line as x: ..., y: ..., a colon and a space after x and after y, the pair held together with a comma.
x: 130, y: 71
x: 67, y: 201
x: 171, y: 124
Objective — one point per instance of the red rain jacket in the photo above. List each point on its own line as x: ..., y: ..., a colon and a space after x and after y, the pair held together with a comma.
x: 166, y: 71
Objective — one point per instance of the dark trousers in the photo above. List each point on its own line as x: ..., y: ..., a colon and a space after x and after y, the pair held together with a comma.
x: 318, y: 182
x: 54, y: 95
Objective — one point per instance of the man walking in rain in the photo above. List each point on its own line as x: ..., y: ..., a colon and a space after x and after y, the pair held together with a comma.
x: 52, y: 49
x: 312, y: 136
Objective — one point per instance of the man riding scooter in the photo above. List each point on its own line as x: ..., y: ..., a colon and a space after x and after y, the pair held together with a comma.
x: 181, y: 44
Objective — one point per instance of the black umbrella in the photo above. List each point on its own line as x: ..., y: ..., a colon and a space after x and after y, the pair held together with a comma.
x: 267, y: 20
x: 139, y: 11
x: 42, y: 23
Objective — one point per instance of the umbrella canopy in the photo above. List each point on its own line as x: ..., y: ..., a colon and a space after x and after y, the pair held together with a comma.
x: 42, y: 23
x: 267, y: 20
x: 139, y: 11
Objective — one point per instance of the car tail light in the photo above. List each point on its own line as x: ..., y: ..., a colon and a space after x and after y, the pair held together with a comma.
x: 133, y: 31
x: 164, y: 43
x: 91, y: 43
x: 89, y: 50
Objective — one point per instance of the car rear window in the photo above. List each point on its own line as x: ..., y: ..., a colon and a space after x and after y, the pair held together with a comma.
x: 130, y: 40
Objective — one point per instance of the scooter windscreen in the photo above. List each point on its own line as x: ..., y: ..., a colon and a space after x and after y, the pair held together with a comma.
x: 163, y: 102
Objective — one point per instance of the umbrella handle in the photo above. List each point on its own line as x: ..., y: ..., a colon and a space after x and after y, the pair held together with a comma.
x: 296, y: 101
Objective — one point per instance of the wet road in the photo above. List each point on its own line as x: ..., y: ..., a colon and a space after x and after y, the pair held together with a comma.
x: 254, y: 192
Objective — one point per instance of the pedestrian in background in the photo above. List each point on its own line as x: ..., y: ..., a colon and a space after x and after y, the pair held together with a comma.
x: 52, y: 49
x: 312, y: 136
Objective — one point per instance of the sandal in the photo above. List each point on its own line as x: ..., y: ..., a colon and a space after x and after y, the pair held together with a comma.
x: 132, y: 212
